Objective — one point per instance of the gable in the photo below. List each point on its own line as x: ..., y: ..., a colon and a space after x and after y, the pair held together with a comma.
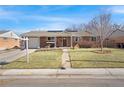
x: 9, y: 34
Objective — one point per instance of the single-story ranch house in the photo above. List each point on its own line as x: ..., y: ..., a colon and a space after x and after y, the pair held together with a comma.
x: 44, y: 39
x: 8, y: 39
x: 58, y: 38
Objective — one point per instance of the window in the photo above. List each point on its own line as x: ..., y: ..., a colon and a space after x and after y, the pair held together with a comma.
x: 76, y: 39
x: 93, y: 38
x: 50, y: 38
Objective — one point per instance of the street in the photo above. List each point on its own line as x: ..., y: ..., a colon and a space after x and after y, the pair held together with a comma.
x: 37, y: 81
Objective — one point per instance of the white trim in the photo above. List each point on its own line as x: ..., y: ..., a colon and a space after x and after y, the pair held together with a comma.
x: 9, y: 34
x: 50, y: 42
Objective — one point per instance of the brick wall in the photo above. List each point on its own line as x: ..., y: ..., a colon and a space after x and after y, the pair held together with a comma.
x: 43, y: 41
x: 113, y: 42
x: 82, y: 42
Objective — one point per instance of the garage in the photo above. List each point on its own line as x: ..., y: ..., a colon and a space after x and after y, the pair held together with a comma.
x: 34, y: 42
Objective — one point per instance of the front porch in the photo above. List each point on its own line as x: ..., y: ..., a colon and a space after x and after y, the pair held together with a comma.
x: 53, y: 42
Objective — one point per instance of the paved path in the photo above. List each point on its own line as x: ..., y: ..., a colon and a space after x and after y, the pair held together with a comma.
x: 65, y: 59
x: 13, y: 55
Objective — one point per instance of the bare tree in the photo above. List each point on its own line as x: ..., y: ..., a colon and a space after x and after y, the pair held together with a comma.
x: 75, y: 27
x: 102, y: 27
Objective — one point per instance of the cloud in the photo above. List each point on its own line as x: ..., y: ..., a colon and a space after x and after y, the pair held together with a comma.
x: 9, y: 15
x: 52, y: 26
x: 51, y: 8
x: 49, y: 18
x: 23, y: 21
x: 55, y: 26
x: 17, y: 16
x: 8, y: 12
x: 116, y: 9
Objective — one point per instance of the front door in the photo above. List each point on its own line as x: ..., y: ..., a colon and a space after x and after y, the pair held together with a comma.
x: 64, y: 42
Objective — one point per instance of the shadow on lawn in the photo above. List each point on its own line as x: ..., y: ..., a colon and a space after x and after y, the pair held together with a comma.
x: 83, y: 50
x: 100, y: 61
x: 93, y: 51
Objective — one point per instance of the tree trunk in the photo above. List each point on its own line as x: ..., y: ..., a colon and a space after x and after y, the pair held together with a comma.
x: 101, y: 46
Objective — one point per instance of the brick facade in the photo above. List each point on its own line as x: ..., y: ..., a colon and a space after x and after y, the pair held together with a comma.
x: 82, y: 42
x: 117, y: 42
x: 64, y: 41
x: 43, y: 41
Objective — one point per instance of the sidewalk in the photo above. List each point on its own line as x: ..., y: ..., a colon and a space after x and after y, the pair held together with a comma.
x: 55, y: 72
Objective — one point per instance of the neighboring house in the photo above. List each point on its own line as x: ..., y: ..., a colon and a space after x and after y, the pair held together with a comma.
x: 116, y: 40
x: 8, y: 39
x: 44, y: 39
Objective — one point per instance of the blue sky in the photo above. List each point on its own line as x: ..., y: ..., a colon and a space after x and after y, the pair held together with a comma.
x: 49, y: 17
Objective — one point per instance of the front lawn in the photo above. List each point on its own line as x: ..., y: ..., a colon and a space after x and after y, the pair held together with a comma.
x: 82, y: 58
x: 40, y: 59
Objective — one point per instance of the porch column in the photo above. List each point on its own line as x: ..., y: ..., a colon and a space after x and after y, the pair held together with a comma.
x: 55, y: 42
x: 71, y: 42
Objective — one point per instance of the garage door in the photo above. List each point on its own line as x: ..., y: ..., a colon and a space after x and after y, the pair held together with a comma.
x: 34, y: 42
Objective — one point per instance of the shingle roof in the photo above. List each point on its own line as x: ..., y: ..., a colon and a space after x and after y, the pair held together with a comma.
x: 64, y: 33
x: 117, y: 34
x: 2, y: 31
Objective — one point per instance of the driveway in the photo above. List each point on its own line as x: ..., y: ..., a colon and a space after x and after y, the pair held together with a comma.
x: 10, y: 56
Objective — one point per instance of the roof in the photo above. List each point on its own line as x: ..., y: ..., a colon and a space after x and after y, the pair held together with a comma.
x: 52, y: 34
x: 2, y: 31
x: 55, y: 31
x: 8, y: 34
x: 117, y: 34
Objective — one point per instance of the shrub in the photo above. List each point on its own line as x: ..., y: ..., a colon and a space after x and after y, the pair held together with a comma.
x: 86, y: 44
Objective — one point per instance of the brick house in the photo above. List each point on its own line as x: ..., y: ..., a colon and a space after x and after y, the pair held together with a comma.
x: 8, y: 39
x: 45, y: 39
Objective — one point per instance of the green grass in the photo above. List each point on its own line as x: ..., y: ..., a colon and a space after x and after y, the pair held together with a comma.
x: 82, y: 58
x: 41, y: 59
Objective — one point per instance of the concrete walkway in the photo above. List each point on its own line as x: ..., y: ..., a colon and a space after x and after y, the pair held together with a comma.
x: 103, y: 72
x: 13, y: 55
x: 65, y: 59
